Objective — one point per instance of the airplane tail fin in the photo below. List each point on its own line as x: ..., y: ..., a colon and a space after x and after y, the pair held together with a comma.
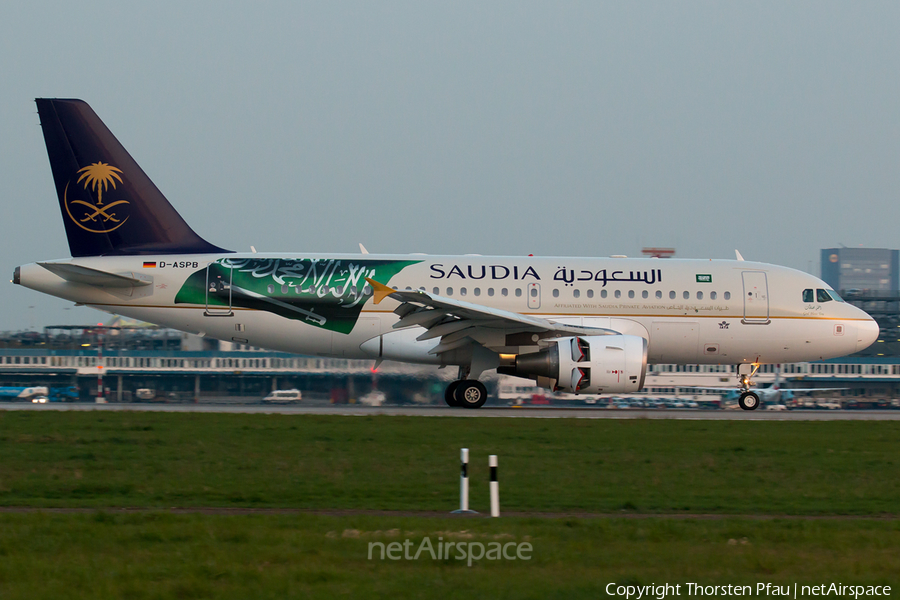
x: 109, y: 205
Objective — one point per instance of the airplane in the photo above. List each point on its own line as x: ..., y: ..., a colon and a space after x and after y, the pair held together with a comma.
x: 24, y: 393
x: 582, y: 325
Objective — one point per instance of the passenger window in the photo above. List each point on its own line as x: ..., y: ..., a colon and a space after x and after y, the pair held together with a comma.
x: 712, y: 295
x: 534, y: 292
x: 518, y: 292
x: 618, y: 293
x: 556, y: 293
x: 590, y: 293
x: 436, y: 291
x: 822, y: 296
x: 603, y: 293
x: 672, y: 295
x: 644, y: 294
x: 687, y: 295
x: 462, y: 291
x: 504, y: 292
x: 728, y: 295
x: 271, y: 289
x: 631, y: 293
x: 808, y: 295
x: 477, y: 291
x: 576, y: 293
x: 699, y: 295
x: 449, y: 291
x: 490, y: 291
x: 659, y: 294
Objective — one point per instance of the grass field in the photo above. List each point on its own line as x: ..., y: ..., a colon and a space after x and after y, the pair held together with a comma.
x: 158, y: 555
x: 159, y: 460
x: 408, y: 463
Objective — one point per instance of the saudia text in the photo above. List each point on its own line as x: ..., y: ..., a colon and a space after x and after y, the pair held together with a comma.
x: 568, y: 276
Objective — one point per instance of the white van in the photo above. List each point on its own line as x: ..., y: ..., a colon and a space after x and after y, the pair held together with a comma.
x: 284, y: 396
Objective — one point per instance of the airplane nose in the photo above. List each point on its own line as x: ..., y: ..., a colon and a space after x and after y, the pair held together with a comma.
x: 866, y: 334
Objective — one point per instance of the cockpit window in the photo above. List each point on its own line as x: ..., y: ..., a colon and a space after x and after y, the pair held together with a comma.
x: 822, y: 296
x: 808, y: 295
x: 835, y: 295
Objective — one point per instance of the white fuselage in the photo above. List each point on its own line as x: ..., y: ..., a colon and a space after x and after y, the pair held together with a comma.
x: 690, y: 311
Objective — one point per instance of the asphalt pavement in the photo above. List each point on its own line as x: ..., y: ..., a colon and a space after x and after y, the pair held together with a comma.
x: 542, y: 412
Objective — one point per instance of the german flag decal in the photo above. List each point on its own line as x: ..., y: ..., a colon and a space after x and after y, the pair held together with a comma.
x: 149, y: 265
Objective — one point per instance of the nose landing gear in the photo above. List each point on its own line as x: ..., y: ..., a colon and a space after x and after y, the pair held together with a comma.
x: 748, y: 400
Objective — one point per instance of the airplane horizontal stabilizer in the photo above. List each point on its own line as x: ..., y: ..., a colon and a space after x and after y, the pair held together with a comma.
x: 95, y: 277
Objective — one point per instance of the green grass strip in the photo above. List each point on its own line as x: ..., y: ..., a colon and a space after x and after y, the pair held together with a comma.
x: 85, y: 459
x: 160, y: 555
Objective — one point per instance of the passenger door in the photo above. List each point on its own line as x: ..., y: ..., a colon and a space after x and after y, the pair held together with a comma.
x: 218, y: 286
x: 756, y: 298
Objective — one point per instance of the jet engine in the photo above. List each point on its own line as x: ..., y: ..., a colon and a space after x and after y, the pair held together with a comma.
x: 589, y: 364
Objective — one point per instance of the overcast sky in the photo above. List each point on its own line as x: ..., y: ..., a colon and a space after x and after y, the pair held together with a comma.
x: 583, y: 129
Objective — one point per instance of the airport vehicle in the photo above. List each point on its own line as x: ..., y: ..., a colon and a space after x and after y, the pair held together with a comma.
x: 582, y: 325
x: 283, y: 397
x: 64, y: 394
x: 373, y: 398
x: 870, y: 404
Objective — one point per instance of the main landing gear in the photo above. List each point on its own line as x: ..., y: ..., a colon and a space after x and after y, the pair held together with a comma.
x: 748, y: 400
x: 467, y: 393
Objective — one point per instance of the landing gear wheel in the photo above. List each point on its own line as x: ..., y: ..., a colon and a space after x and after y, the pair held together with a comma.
x: 470, y: 393
x: 748, y: 401
x: 450, y: 394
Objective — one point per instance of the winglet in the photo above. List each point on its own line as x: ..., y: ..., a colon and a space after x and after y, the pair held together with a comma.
x: 362, y: 249
x: 738, y: 254
x: 381, y: 291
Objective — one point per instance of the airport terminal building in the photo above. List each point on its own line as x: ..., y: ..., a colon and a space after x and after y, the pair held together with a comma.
x: 159, y: 365
x: 861, y: 270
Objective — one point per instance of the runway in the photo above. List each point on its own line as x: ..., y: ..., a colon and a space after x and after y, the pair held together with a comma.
x: 489, y: 412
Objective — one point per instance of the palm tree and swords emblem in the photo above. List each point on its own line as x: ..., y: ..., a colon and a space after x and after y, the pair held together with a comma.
x: 97, y: 218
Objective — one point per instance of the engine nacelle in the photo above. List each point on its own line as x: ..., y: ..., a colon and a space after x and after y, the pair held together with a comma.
x: 588, y: 364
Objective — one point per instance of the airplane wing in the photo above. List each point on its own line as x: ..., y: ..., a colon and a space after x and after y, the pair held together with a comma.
x: 459, y: 323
